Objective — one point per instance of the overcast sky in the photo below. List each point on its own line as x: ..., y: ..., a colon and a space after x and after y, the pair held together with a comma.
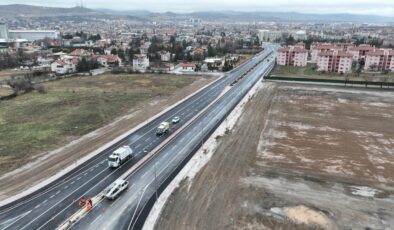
x: 377, y: 7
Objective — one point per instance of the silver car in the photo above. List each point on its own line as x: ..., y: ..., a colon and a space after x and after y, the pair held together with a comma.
x: 176, y: 120
x: 115, y: 189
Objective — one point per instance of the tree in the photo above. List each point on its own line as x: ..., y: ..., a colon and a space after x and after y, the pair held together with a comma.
x: 290, y: 41
x: 211, y: 51
x: 114, y: 51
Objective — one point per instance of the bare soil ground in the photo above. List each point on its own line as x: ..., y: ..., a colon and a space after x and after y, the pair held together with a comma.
x: 41, y: 165
x: 299, y: 157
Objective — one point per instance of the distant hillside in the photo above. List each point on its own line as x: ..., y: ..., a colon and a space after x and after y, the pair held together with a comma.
x: 20, y: 10
x: 281, y: 17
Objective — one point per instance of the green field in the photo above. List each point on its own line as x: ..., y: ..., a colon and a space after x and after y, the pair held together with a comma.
x: 36, y: 122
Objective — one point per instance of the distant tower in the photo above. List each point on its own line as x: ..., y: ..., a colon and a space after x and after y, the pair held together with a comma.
x: 3, y: 31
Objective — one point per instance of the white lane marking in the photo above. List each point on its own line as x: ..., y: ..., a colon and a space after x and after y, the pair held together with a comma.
x: 51, y: 196
x: 143, y: 135
x: 138, y: 146
x: 78, y: 178
x: 44, y: 201
x: 37, y: 206
x: 15, y: 219
x: 72, y: 182
x: 143, y: 175
x: 209, y: 91
x: 85, y: 174
x: 57, y: 192
x: 65, y: 187
x: 98, y: 217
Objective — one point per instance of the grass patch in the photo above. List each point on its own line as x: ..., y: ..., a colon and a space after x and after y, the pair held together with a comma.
x: 34, y: 122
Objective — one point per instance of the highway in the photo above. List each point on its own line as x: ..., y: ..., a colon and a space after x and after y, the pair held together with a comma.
x: 127, y: 212
x: 48, y: 207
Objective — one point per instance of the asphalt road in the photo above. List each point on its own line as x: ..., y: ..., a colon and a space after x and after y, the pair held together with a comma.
x: 49, y: 207
x: 123, y: 212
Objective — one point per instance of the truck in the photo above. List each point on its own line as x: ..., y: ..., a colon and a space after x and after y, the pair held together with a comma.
x: 163, y: 128
x: 120, y: 156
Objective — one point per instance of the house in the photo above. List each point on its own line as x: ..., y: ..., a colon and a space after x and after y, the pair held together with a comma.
x: 65, y: 66
x: 108, y: 60
x: 140, y: 62
x: 79, y: 53
x: 165, y: 56
x: 188, y: 67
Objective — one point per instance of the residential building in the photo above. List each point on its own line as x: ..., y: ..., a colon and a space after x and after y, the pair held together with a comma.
x: 379, y: 60
x: 390, y: 61
x: 108, y: 60
x: 269, y: 36
x: 335, y: 61
x: 34, y: 35
x: 293, y: 56
x: 188, y: 67
x: 65, y: 66
x: 140, y: 62
x: 4, y: 32
x: 165, y: 56
x: 359, y: 52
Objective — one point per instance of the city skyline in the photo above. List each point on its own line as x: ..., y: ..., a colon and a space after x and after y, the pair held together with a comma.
x: 384, y: 8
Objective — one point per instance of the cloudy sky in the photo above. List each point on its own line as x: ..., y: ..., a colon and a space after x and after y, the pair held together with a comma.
x: 377, y: 7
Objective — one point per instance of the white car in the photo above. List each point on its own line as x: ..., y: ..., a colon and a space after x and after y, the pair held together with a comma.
x: 115, y: 189
x: 176, y: 120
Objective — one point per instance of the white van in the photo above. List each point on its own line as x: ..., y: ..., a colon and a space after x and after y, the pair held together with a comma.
x: 115, y: 189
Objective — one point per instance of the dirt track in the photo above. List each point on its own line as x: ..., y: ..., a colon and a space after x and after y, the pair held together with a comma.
x: 300, y: 157
x: 44, y: 167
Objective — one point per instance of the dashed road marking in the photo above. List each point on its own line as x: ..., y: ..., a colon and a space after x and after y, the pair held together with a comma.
x: 57, y: 192
x: 72, y: 182
x: 37, y: 206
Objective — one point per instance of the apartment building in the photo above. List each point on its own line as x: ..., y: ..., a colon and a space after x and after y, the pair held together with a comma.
x: 317, y: 48
x: 379, y: 60
x: 334, y: 61
x: 293, y: 56
x: 360, y: 52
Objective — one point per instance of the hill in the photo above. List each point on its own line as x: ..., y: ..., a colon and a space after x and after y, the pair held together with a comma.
x: 20, y: 10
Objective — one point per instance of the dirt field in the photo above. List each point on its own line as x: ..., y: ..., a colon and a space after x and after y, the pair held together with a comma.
x: 300, y: 157
x: 32, y: 125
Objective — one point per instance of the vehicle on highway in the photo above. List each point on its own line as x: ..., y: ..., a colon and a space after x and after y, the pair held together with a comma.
x: 176, y: 120
x: 163, y: 128
x: 115, y: 189
x: 120, y: 156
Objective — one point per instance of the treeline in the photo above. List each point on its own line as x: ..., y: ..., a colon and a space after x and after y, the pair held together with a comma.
x: 13, y: 60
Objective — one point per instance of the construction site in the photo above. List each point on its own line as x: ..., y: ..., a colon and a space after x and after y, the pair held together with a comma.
x: 299, y: 156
